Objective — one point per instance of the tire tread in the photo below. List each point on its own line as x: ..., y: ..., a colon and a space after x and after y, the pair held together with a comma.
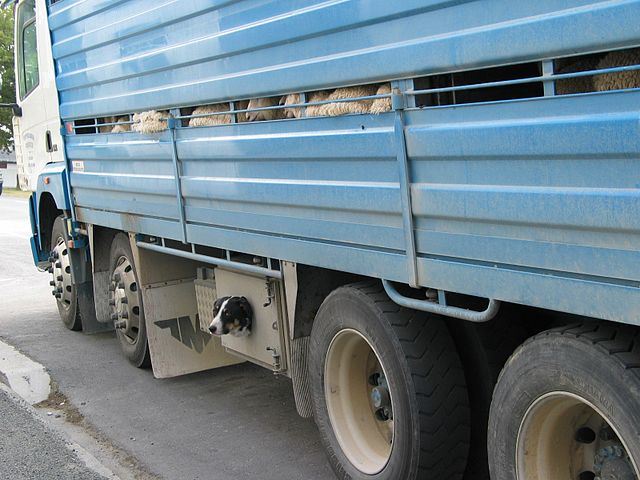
x: 439, y: 383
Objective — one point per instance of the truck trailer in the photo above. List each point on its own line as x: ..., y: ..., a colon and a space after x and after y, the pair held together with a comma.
x: 431, y: 208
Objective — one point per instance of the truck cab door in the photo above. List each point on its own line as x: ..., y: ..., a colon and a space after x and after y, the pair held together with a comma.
x: 37, y: 131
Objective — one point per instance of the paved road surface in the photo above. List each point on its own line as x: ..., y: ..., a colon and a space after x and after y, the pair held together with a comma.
x: 233, y: 423
x: 30, y: 450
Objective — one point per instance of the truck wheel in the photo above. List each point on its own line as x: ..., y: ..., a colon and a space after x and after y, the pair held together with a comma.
x: 389, y: 392
x: 63, y: 288
x: 125, y: 300
x: 484, y: 348
x: 567, y: 407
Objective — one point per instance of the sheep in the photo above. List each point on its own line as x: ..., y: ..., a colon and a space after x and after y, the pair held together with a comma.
x: 274, y: 114
x: 114, y: 128
x: 578, y: 84
x: 152, y: 121
x: 343, y: 108
x: 212, y: 119
x: 122, y: 125
x: 619, y: 80
x: 311, y: 111
x: 381, y: 105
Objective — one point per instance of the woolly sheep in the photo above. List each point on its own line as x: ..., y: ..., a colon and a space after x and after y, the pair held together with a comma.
x: 152, y: 121
x: 114, y: 128
x: 312, y: 111
x: 213, y: 119
x: 344, y: 108
x: 619, y: 80
x: 275, y: 114
x: 577, y: 84
x: 381, y: 105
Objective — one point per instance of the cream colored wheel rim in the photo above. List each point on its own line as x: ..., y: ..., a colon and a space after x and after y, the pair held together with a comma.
x: 358, y: 401
x: 564, y: 437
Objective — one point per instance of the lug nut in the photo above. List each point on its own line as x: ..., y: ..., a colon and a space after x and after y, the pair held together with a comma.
x: 58, y: 295
x: 52, y: 283
x: 125, y: 314
x: 58, y: 264
x: 124, y: 300
x: 112, y: 302
x: 121, y: 285
x: 114, y: 316
x: 59, y: 278
x: 121, y: 325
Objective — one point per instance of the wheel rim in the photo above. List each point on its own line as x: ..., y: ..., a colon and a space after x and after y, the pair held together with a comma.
x: 565, y: 437
x: 125, y: 301
x: 61, y: 269
x: 359, y: 402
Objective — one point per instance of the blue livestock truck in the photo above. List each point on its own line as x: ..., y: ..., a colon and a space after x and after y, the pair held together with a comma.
x: 426, y: 213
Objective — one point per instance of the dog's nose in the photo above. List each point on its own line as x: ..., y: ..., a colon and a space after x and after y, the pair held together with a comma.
x: 212, y: 329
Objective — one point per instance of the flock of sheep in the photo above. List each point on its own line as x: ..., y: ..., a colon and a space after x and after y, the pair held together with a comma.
x: 155, y: 121
x: 334, y: 104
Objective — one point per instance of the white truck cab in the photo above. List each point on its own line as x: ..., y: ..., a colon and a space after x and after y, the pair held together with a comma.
x: 37, y: 129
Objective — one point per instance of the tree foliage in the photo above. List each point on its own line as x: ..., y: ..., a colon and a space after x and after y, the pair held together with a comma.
x: 8, y: 91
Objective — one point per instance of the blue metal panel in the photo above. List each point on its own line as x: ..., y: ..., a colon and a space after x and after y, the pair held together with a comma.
x: 160, y: 54
x: 534, y: 201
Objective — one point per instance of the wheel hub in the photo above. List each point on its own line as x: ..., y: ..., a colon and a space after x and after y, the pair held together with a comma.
x: 612, y: 463
x: 558, y: 439
x: 124, y: 300
x: 60, y: 268
x: 359, y: 402
x: 380, y: 397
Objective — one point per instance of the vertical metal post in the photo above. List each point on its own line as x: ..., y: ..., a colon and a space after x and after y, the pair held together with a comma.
x: 302, y: 98
x: 177, y: 172
x: 398, y: 105
x: 548, y: 84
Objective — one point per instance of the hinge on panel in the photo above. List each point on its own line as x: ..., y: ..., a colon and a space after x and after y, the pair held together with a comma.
x: 398, y: 101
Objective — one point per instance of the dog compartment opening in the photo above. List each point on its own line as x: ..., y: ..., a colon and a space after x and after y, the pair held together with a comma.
x: 265, y: 345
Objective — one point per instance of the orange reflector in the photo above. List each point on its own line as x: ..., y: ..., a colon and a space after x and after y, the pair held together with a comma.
x: 46, y: 180
x: 69, y: 127
x: 71, y: 244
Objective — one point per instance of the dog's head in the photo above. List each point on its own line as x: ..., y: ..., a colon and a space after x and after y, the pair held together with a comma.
x: 231, y: 315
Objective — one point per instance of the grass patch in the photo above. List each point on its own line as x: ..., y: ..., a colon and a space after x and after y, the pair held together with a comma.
x: 14, y: 192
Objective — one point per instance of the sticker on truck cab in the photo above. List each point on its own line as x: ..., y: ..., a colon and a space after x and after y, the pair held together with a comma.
x: 77, y: 166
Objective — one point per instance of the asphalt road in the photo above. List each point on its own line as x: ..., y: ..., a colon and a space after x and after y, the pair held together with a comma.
x: 29, y: 449
x: 232, y: 423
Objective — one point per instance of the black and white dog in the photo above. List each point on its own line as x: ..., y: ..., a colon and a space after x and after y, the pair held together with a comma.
x: 231, y: 315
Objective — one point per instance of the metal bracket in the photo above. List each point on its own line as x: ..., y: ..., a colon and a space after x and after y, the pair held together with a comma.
x: 445, y: 310
x: 172, y: 126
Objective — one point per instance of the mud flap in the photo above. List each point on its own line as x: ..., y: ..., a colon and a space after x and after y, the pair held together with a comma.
x: 88, y: 312
x: 176, y: 343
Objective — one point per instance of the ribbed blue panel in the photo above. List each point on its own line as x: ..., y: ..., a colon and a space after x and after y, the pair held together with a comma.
x: 532, y: 201
x: 127, y: 56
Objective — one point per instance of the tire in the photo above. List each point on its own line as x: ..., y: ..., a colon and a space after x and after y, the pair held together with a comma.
x: 567, y: 406
x: 64, y: 290
x: 125, y: 300
x: 359, y: 330
x: 484, y: 348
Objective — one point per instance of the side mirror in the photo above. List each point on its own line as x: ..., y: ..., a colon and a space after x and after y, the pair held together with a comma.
x: 17, y: 110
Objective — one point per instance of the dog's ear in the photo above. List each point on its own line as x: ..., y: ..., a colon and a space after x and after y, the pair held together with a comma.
x: 246, y: 308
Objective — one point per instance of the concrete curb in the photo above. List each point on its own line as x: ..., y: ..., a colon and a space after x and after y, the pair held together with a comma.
x: 25, y: 377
